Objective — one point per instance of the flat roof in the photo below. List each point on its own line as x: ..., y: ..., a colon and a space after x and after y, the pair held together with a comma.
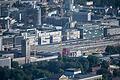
x: 73, y: 69
x: 87, y: 76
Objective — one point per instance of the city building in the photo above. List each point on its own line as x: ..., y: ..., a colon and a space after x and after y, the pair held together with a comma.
x: 111, y: 31
x: 17, y: 41
x: 57, y: 21
x: 110, y: 22
x: 91, y: 31
x: 71, y: 34
x: 58, y: 77
x: 48, y: 37
x: 11, y: 55
x: 25, y: 49
x: 88, y: 77
x: 5, y: 62
x: 68, y: 5
x: 1, y: 43
x: 20, y: 60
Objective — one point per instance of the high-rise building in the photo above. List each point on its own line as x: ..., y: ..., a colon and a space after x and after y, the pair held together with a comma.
x: 39, y: 16
x: 25, y: 48
x: 68, y: 4
x: 0, y: 42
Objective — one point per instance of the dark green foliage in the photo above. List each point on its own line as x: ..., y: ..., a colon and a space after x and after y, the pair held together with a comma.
x: 102, y: 71
x: 116, y: 73
x: 43, y: 69
x: 15, y: 64
x: 85, y: 64
x: 48, y: 68
x: 93, y: 60
x: 4, y: 73
x: 105, y: 72
x: 111, y: 50
x: 105, y: 64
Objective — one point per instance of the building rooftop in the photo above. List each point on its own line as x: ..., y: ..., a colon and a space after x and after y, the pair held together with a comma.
x: 87, y: 77
x: 72, y: 69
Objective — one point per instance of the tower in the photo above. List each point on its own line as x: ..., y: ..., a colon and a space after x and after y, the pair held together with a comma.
x: 39, y: 16
x: 0, y: 42
x: 89, y: 16
x: 25, y: 49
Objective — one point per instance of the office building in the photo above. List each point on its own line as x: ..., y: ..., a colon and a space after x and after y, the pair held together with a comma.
x: 91, y: 31
x: 25, y: 49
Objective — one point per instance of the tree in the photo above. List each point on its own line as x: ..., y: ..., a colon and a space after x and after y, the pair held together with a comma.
x: 85, y: 63
x: 111, y: 50
x: 115, y: 62
x: 29, y: 66
x: 15, y: 64
x: 54, y: 66
x: 118, y: 49
x: 93, y: 60
x: 4, y: 73
x: 28, y: 75
x: 116, y: 73
x: 42, y: 65
x: 38, y: 73
x: 102, y: 71
x: 17, y: 74
x: 105, y: 64
x: 7, y: 73
x: 105, y: 72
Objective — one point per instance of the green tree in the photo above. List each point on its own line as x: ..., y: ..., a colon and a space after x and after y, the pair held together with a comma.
x: 42, y: 65
x: 4, y: 73
x: 106, y: 73
x: 111, y: 50
x: 17, y: 74
x: 38, y: 73
x: 15, y: 64
x: 105, y: 64
x: 116, y: 73
x: 85, y: 64
x: 54, y: 66
x: 93, y: 60
x: 28, y: 75
x: 118, y: 49
x: 7, y: 73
